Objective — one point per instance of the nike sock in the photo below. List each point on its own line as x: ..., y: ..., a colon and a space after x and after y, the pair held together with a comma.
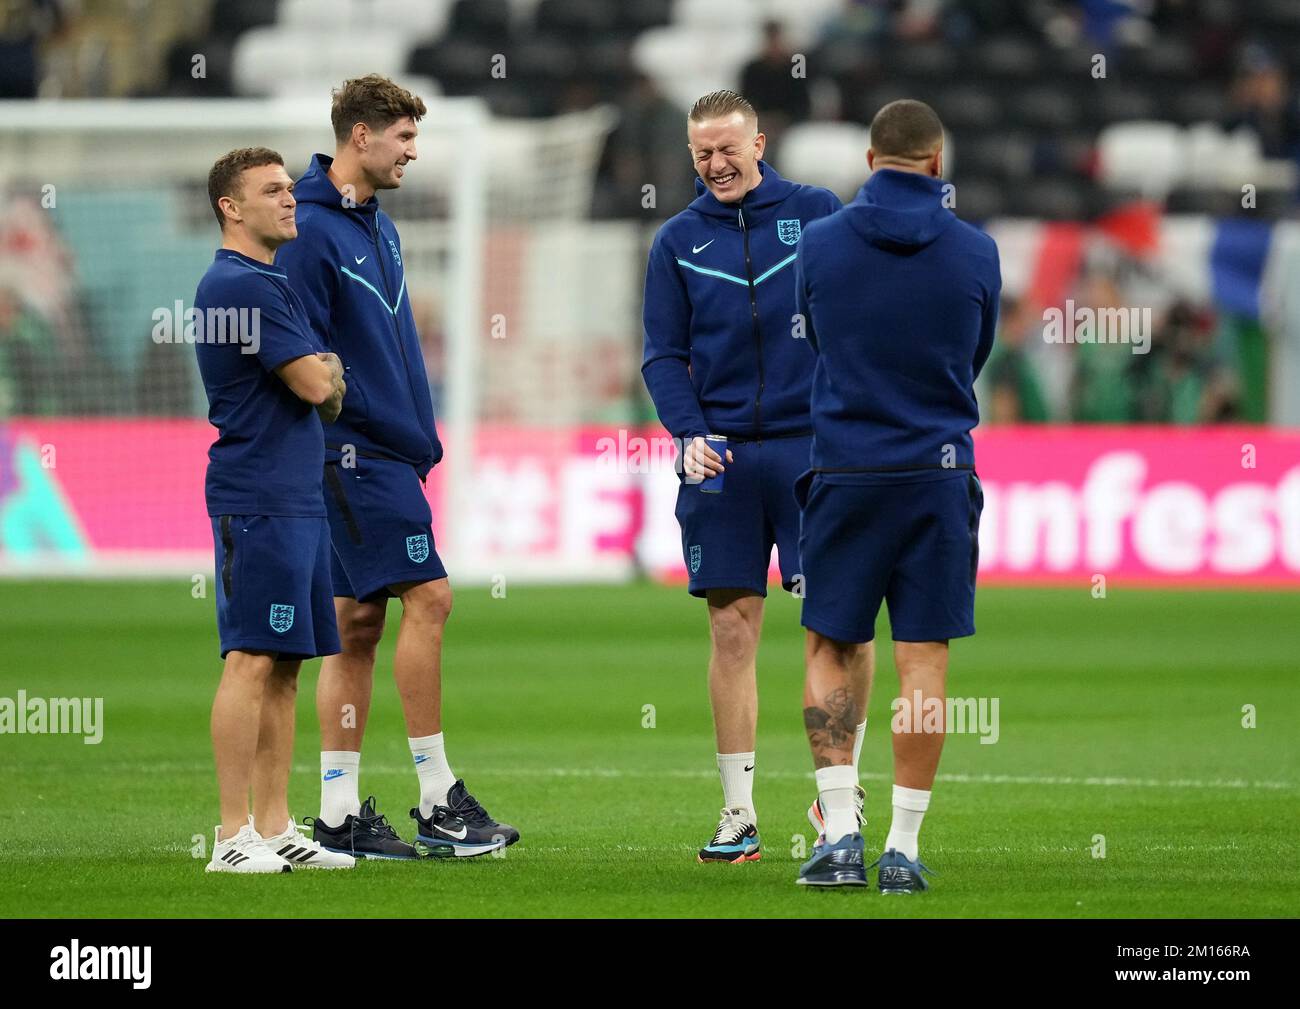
x: 857, y: 742
x: 431, y: 767
x: 836, y: 786
x: 737, y: 773
x: 910, y: 805
x: 338, y: 786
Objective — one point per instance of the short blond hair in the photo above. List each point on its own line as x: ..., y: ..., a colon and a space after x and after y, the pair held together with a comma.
x: 717, y: 104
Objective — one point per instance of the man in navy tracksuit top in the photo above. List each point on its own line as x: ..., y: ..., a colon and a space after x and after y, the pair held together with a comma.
x: 901, y: 301
x: 347, y: 267
x: 725, y: 356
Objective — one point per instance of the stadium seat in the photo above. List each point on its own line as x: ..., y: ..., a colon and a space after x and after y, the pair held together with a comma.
x: 1149, y: 158
x: 574, y: 20
x: 826, y: 154
x: 1010, y: 56
x: 268, y: 60
x: 487, y: 21
x: 686, y: 64
x: 230, y: 18
x: 425, y: 19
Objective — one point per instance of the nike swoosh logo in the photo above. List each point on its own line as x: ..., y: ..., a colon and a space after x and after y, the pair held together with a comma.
x: 332, y: 774
x: 452, y: 833
x: 701, y: 248
x: 361, y: 260
x: 750, y: 767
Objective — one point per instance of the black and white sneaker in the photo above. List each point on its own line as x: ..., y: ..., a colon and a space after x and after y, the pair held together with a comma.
x: 462, y: 828
x: 367, y: 835
x: 469, y: 809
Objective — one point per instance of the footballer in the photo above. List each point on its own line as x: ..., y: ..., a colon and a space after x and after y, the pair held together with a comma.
x: 347, y: 268
x: 900, y: 298
x: 723, y: 360
x: 263, y: 491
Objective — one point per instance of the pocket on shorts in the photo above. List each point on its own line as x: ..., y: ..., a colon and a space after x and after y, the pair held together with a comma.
x: 975, y: 491
x: 334, y: 481
x: 227, y: 556
x: 802, y: 486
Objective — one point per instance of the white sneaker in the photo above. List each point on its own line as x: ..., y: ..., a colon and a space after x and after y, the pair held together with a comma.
x: 245, y: 852
x: 818, y: 820
x: 296, y: 848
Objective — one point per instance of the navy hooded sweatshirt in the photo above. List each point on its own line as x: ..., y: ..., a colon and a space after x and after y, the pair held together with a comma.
x: 721, y: 354
x: 346, y: 266
x: 901, y: 301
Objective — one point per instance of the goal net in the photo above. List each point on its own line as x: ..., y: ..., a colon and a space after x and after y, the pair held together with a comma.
x: 105, y: 233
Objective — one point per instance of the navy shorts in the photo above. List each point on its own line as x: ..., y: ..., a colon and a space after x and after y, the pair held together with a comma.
x: 381, y: 526
x: 727, y: 538
x: 273, y: 585
x: 913, y: 545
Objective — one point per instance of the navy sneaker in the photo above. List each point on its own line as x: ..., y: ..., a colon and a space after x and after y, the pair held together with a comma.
x: 840, y: 864
x: 469, y: 809
x: 898, y: 874
x: 448, y: 834
x: 367, y: 835
x: 735, y: 841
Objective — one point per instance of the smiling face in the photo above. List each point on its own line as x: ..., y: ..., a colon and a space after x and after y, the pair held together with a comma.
x: 726, y: 151
x: 264, y: 205
x: 384, y: 153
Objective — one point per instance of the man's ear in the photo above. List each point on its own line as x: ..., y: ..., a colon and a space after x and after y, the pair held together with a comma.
x: 760, y: 144
x: 227, y: 204
x: 936, y: 166
x: 871, y: 160
x: 360, y: 135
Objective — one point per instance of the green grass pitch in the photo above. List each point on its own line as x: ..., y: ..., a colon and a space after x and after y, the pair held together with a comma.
x: 1119, y: 717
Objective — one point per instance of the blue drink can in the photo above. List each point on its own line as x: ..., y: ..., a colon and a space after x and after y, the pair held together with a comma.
x: 713, y: 484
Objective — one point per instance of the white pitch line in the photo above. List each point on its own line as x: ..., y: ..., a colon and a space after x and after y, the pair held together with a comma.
x: 1107, y: 781
x: 959, y: 779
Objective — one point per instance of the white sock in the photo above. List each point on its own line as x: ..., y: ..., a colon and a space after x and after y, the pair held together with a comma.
x: 339, y: 797
x: 857, y: 742
x: 836, y: 786
x: 431, y: 767
x: 737, y: 773
x: 910, y: 805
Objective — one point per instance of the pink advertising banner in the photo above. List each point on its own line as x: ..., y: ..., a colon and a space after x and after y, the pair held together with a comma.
x: 1159, y: 505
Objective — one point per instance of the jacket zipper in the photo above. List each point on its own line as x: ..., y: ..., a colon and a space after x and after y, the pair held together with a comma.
x: 397, y: 329
x: 758, y: 335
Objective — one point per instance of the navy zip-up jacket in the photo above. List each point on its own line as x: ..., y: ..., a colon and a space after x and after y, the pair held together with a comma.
x: 346, y: 266
x: 901, y: 302
x: 721, y: 356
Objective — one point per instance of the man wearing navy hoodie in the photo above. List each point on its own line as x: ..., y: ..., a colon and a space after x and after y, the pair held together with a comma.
x: 347, y: 268
x: 725, y: 357
x: 900, y: 300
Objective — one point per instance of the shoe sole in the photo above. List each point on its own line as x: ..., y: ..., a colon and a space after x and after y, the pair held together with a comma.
x: 437, y: 847
x: 363, y: 855
x: 754, y: 857
x: 250, y: 872
x: 829, y: 883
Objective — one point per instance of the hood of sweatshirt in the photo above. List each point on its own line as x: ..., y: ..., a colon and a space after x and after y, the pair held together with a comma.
x: 770, y: 193
x: 900, y: 211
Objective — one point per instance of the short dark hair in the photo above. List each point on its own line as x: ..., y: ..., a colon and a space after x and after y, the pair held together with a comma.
x: 906, y: 129
x: 373, y: 100
x: 226, y: 176
x: 721, y: 103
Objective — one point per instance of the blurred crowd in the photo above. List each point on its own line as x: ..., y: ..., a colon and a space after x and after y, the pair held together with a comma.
x: 1008, y: 77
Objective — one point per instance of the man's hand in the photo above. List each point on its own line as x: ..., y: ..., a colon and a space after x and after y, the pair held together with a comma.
x: 330, y: 409
x: 699, y: 461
